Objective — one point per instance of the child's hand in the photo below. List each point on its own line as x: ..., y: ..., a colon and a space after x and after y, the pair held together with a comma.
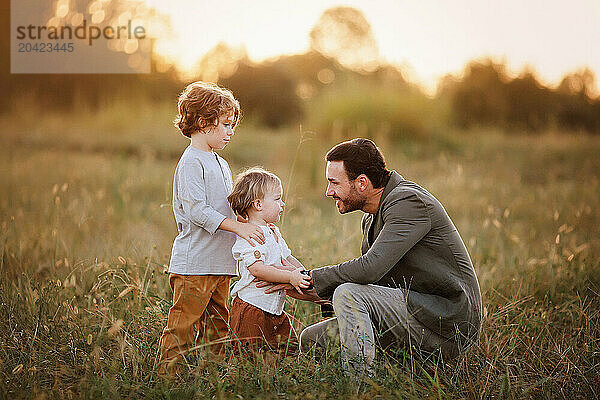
x: 250, y: 232
x: 298, y: 280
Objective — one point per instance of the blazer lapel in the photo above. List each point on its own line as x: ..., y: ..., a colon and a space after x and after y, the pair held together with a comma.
x: 375, y: 223
x: 364, y: 247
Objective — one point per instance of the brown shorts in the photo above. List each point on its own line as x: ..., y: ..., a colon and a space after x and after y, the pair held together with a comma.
x: 260, y: 329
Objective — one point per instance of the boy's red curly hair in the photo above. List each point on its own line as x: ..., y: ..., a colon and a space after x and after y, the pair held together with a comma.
x: 201, y: 104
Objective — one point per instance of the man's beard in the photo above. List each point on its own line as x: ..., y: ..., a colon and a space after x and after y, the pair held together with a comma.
x: 352, y: 203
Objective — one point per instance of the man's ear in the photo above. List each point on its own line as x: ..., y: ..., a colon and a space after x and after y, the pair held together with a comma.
x: 363, y: 182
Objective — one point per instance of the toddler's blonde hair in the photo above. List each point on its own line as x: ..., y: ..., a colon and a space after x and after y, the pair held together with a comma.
x: 250, y: 185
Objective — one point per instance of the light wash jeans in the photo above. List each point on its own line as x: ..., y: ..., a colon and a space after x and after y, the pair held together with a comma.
x: 361, y: 310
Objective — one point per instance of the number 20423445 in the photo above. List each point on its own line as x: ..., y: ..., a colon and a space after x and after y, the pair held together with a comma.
x: 46, y: 47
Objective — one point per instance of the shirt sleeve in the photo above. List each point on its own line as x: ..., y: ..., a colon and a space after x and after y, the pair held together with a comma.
x: 246, y: 255
x: 192, y: 193
x: 405, y: 222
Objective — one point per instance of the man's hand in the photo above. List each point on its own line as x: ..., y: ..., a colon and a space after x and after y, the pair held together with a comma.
x: 286, y: 265
x: 272, y: 287
x: 308, y: 294
x: 285, y: 262
x: 250, y: 232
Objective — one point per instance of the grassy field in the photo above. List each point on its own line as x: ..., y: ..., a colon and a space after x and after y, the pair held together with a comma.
x: 87, y: 228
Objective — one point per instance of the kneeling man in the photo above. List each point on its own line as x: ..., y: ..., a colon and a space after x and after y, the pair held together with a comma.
x: 414, y: 284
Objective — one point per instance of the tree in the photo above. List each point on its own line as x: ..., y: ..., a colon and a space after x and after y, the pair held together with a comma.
x: 580, y: 82
x: 220, y: 62
x: 266, y: 92
x: 345, y: 34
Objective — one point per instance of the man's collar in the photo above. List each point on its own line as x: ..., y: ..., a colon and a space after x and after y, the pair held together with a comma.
x: 395, y: 179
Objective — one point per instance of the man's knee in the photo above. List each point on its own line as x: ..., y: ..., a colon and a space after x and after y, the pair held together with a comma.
x: 305, y: 340
x: 321, y: 334
x: 345, y: 296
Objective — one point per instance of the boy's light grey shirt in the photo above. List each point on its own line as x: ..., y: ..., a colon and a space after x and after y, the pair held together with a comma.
x: 201, y: 185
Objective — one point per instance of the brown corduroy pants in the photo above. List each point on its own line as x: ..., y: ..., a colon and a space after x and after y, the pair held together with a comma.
x: 199, y: 315
x: 254, y: 328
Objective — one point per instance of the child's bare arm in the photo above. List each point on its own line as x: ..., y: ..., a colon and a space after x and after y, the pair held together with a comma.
x: 270, y: 273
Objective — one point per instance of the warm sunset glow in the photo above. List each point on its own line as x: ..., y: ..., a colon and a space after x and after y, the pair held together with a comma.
x: 428, y: 38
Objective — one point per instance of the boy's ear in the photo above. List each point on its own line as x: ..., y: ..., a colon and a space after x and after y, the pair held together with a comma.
x: 202, y: 123
x: 257, y: 204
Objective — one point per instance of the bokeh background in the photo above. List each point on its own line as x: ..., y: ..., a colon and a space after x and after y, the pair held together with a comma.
x: 494, y: 108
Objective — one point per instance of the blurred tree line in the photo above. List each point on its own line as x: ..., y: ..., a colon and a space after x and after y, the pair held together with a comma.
x: 486, y: 95
x: 341, y: 85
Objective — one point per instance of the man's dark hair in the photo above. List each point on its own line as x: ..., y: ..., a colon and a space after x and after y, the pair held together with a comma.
x: 361, y: 156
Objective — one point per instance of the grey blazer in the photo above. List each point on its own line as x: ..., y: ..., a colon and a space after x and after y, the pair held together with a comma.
x: 411, y: 243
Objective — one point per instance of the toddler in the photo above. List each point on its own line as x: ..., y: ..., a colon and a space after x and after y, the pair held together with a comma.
x: 257, y: 318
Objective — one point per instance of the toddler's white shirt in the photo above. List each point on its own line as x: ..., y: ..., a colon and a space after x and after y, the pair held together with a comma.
x: 269, y: 253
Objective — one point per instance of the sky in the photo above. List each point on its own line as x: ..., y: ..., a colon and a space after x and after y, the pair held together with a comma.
x: 427, y: 38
